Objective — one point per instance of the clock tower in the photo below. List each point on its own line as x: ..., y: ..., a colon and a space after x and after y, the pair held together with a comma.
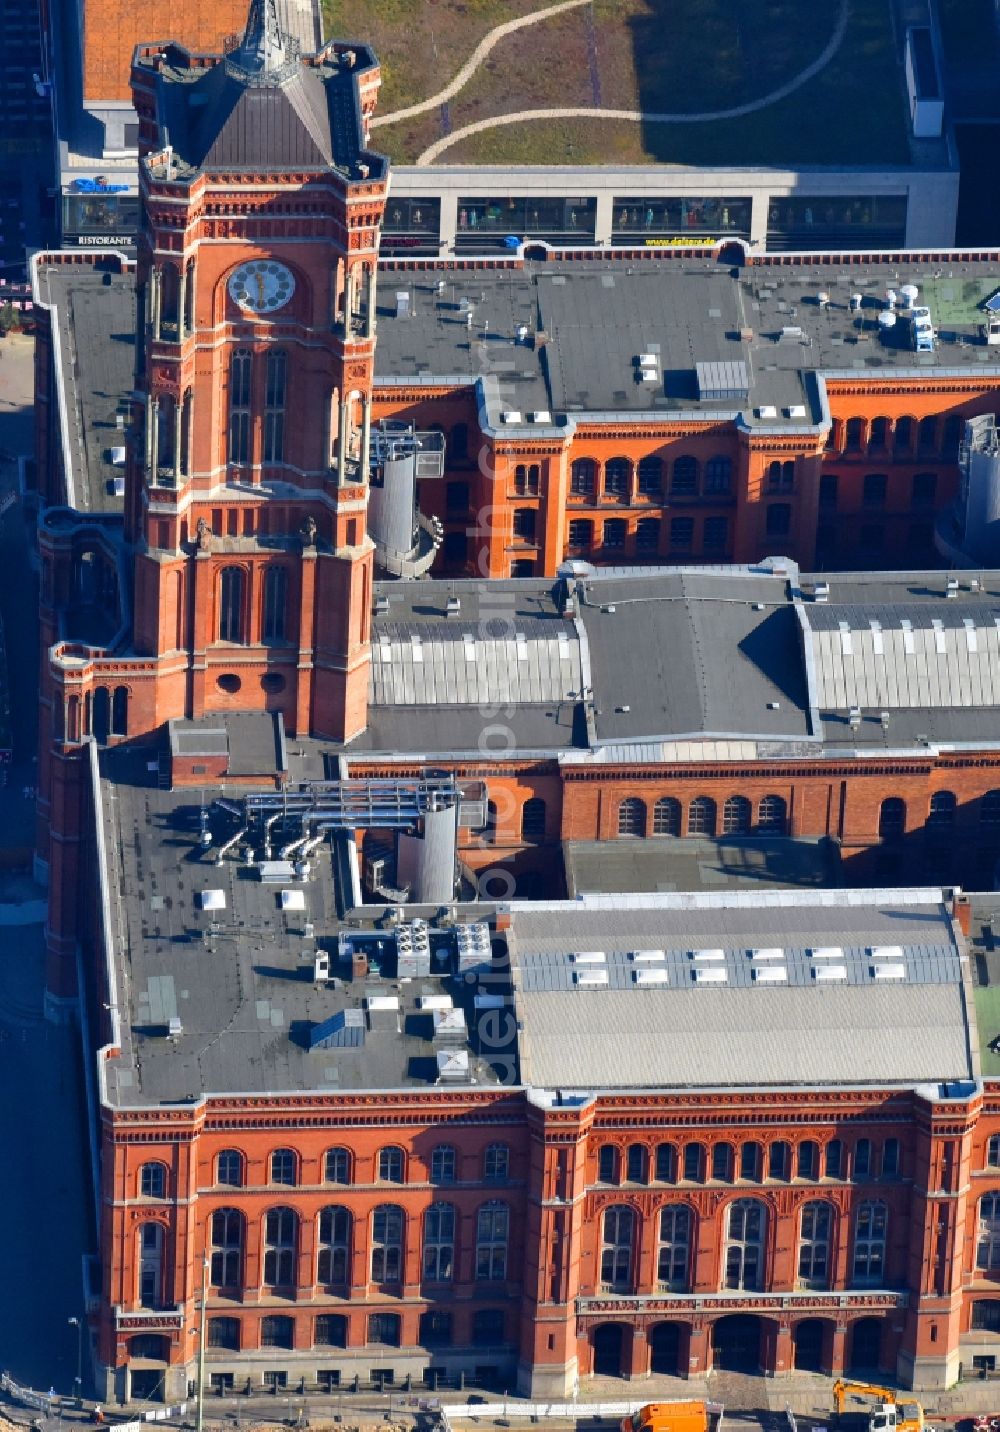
x: 246, y: 489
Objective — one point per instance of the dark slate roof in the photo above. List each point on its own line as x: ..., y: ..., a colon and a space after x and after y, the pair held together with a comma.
x: 222, y: 122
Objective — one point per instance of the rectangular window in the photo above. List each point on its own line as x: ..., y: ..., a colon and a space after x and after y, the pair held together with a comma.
x: 682, y: 533
x: 875, y: 489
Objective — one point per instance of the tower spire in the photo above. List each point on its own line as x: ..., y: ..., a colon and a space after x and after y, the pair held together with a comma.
x: 262, y: 49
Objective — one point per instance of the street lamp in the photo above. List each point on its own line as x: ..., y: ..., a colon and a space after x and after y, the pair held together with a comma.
x: 199, y: 1425
x: 78, y: 1324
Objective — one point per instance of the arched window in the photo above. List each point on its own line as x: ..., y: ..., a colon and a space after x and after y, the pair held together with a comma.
x: 892, y: 818
x: 870, y: 1226
x: 275, y: 603
x: 862, y: 1166
x: 637, y: 1163
x: 833, y: 1159
x: 387, y: 1243
x: 993, y: 1152
x: 722, y: 1163
x: 667, y: 816
x: 492, y: 1232
x: 746, y: 1225
x: 533, y: 819
x: 119, y: 711
x: 283, y: 1166
x: 100, y: 716
x: 334, y: 1245
x: 435, y: 1329
x: 814, y: 1244
x: 666, y: 1163
x: 274, y: 405
x: 229, y: 1168
x: 954, y: 429
x: 153, y: 1180
x: 650, y: 475
x: 903, y: 436
x: 227, y: 1248
x: 988, y: 1235
x: 736, y: 816
x: 580, y: 533
x: 277, y: 1330
x: 496, y: 1162
x: 384, y: 1329
x: 582, y: 477
x: 854, y: 434
x: 718, y: 475
x: 390, y: 1165
x: 224, y: 1334
x: 439, y: 1243
x: 337, y: 1166
x: 150, y: 1261
x: 526, y: 479
x: 779, y: 1159
x: 607, y: 1164
x: 632, y: 816
x: 673, y: 1248
x: 617, y: 1249
x: 231, y: 589
x: 617, y: 471
x: 240, y: 388
x: 989, y: 808
x: 778, y: 520
x: 890, y: 1158
x: 701, y: 816
x: 615, y: 531
x: 647, y: 534
x: 771, y: 814
x: 694, y: 1163
x: 685, y: 477
x: 881, y: 428
x: 750, y: 1161
x: 941, y: 813
x: 807, y: 1159
x: 443, y: 1164
x: 330, y: 1330
x: 281, y: 1227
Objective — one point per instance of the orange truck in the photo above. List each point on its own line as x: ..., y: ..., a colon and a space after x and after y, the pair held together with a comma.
x: 675, y: 1417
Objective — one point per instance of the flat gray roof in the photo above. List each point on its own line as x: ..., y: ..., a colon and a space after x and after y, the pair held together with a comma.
x: 652, y: 657
x: 741, y: 990
x: 240, y: 978
x: 589, y: 324
x: 699, y: 863
x: 93, y: 321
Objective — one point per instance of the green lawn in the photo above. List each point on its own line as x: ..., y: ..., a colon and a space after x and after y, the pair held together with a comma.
x: 675, y: 56
x: 987, y: 1002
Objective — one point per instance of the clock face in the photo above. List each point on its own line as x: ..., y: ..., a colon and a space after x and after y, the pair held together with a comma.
x: 262, y: 286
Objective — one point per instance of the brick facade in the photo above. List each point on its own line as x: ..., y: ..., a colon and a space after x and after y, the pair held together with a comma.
x: 863, y: 1251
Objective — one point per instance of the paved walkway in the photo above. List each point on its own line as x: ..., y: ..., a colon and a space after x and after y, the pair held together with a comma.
x: 634, y: 116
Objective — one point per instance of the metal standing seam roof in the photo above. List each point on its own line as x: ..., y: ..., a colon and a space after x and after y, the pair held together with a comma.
x: 904, y: 656
x: 587, y: 1019
x: 529, y: 662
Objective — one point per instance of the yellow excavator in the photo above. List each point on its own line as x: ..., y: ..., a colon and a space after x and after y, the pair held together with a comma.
x: 889, y: 1415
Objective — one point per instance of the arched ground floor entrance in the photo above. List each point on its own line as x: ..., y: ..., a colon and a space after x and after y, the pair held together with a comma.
x: 608, y: 1343
x: 668, y: 1349
x: 864, y: 1345
x: 738, y: 1343
x: 812, y: 1345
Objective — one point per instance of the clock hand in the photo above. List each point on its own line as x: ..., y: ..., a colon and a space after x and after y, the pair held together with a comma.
x: 260, y: 290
